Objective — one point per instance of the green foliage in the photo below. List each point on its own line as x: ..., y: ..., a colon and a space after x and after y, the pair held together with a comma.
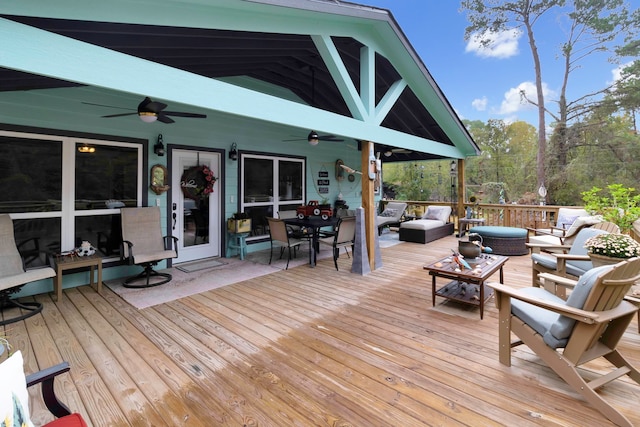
x: 617, y: 204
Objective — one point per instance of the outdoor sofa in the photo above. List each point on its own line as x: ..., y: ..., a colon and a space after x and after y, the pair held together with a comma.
x: 433, y: 225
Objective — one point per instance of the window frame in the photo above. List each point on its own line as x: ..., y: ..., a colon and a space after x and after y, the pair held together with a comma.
x: 275, y: 203
x: 67, y: 213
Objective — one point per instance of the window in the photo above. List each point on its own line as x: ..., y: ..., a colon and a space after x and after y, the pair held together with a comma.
x: 270, y: 184
x: 98, y: 177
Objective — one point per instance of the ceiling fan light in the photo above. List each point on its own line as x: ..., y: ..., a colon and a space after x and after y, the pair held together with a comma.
x: 313, y: 138
x: 147, y: 116
x: 388, y: 153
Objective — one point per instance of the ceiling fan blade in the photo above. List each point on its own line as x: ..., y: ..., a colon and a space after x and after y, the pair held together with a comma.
x: 147, y: 105
x: 120, y: 115
x: 182, y: 114
x: 329, y: 138
x: 164, y: 119
x: 104, y: 105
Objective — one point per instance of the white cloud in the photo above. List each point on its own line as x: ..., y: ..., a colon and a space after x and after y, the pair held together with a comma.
x: 513, y: 101
x: 480, y: 104
x: 501, y: 45
x: 615, y: 73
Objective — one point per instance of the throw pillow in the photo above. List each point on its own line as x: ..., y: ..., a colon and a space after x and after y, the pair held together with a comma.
x: 565, y: 221
x: 14, y: 398
x: 388, y: 213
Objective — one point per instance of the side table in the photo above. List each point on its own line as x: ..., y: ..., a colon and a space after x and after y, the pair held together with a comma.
x: 73, y: 262
x: 237, y: 241
x: 463, y: 224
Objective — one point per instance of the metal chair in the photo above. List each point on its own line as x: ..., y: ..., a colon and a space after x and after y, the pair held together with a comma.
x: 144, y: 245
x: 343, y: 237
x: 280, y: 237
x: 13, y: 276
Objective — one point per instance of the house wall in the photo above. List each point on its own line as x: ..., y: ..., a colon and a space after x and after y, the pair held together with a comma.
x: 217, y: 131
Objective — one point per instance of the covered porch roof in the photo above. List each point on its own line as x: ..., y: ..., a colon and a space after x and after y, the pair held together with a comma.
x: 336, y: 67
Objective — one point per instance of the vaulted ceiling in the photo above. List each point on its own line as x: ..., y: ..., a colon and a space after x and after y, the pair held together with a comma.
x: 289, y: 61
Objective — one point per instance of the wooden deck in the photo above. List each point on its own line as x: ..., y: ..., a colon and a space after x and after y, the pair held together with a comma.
x: 304, y: 347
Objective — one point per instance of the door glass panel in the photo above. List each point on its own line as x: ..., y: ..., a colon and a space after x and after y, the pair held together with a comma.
x: 196, y: 222
x: 290, y: 180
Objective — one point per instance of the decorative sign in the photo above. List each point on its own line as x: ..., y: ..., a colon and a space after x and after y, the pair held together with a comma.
x: 323, y: 182
x: 323, y: 174
x: 323, y: 190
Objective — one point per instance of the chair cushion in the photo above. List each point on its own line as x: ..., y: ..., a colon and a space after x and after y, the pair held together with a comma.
x: 14, y: 398
x: 389, y: 213
x: 73, y: 420
x: 555, y: 328
x: 573, y: 268
x: 563, y: 327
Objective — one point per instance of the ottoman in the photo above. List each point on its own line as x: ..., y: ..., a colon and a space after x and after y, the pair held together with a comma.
x: 503, y: 240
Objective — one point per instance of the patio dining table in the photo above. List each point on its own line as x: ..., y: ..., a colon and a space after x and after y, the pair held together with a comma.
x: 314, y: 224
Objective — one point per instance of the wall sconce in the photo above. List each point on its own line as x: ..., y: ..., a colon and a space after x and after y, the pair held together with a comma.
x: 233, y: 153
x: 159, y: 147
x: 84, y: 148
x: 313, y: 138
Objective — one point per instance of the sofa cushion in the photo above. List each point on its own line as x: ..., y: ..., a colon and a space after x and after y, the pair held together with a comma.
x: 438, y: 213
x: 422, y: 224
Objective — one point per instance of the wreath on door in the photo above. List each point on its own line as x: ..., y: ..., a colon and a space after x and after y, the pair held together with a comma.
x: 197, y: 182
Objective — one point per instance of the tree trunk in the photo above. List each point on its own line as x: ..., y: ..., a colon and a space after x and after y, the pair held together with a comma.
x: 542, y: 136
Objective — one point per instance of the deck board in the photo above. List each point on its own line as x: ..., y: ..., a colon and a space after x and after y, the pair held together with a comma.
x: 304, y: 347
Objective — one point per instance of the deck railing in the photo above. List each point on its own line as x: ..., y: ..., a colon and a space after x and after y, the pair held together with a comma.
x: 508, y: 215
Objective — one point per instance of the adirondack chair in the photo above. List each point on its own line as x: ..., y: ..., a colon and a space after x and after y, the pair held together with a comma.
x: 568, y: 334
x: 572, y: 264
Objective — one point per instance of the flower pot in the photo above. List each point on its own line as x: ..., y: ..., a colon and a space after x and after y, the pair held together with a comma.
x: 600, y: 260
x: 239, y: 225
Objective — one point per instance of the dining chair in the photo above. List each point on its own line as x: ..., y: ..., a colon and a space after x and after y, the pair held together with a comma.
x: 343, y: 238
x: 280, y: 237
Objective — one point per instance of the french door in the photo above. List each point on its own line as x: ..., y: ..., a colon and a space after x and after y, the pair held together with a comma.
x: 194, y: 219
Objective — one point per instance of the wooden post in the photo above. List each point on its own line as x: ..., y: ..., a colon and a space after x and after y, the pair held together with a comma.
x: 461, y: 190
x: 368, y: 203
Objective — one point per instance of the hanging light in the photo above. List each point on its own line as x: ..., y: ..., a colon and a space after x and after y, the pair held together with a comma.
x: 233, y: 153
x: 159, y: 147
x: 84, y: 148
x: 313, y: 138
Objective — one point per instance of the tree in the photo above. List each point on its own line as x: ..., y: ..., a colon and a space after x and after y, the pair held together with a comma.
x: 592, y: 26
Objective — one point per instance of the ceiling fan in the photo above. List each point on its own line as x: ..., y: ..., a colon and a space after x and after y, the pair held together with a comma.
x: 149, y: 111
x: 313, y: 138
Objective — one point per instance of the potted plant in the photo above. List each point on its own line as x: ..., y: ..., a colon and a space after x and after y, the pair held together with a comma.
x: 324, y: 203
x: 617, y: 204
x: 611, y: 248
x: 239, y: 223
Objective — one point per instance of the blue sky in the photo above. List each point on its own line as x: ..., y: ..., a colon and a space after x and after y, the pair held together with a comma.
x: 486, y: 85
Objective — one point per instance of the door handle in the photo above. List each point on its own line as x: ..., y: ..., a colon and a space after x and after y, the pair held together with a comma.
x: 175, y: 219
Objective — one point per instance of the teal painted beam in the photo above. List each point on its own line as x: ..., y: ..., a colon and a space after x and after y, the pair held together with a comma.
x: 29, y: 49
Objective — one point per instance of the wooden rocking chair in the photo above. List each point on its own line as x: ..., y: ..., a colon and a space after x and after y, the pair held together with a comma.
x: 567, y: 334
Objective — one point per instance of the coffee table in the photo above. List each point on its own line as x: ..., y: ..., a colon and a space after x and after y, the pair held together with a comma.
x: 466, y: 286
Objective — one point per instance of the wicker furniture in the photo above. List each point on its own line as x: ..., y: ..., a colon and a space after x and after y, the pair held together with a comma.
x: 503, y: 240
